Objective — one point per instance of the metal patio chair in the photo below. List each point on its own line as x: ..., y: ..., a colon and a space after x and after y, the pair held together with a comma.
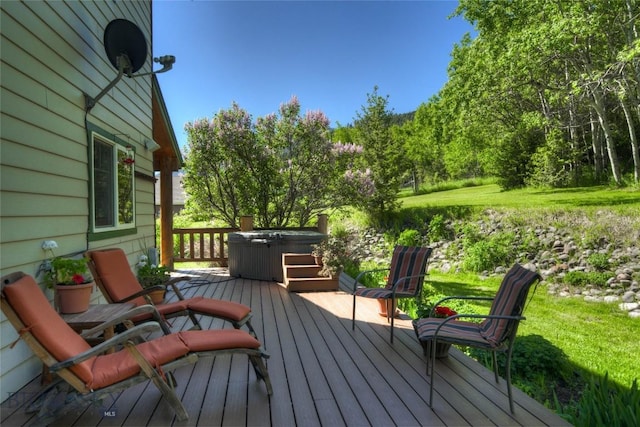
x: 406, y: 275
x: 496, y: 332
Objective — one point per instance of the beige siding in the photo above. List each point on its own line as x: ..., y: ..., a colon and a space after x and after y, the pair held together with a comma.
x: 52, y: 54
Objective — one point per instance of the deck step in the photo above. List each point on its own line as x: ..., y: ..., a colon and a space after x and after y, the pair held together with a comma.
x: 301, y: 274
x: 307, y: 284
x: 301, y: 271
x: 297, y: 259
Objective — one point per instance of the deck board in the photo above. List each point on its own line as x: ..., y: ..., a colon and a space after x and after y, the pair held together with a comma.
x: 322, y: 372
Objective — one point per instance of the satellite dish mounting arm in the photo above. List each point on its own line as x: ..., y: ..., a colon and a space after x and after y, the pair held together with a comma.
x: 124, y: 65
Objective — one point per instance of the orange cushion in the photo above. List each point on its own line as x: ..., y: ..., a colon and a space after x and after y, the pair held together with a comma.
x: 164, y: 310
x: 110, y: 368
x: 35, y: 311
x: 227, y: 309
x: 218, y: 339
x: 116, y: 275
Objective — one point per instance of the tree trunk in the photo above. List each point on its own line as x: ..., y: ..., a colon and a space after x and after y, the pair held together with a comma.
x: 599, y: 107
x: 596, y: 144
x: 634, y: 140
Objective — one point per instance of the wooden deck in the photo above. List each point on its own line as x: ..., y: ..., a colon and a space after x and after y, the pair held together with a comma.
x: 323, y: 373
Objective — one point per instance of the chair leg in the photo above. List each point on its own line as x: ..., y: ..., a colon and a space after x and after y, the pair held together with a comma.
x: 392, y: 315
x: 250, y: 327
x: 261, y: 371
x: 508, y: 374
x: 495, y: 366
x: 432, y: 365
x: 353, y: 315
x: 165, y: 388
x: 196, y: 324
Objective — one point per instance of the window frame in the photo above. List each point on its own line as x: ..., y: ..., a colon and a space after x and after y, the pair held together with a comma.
x: 95, y: 135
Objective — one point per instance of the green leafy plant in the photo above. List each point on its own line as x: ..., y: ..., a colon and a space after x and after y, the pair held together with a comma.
x: 409, y: 238
x: 584, y: 278
x: 537, y: 366
x: 68, y: 271
x: 149, y: 274
x: 334, y: 252
x: 489, y: 253
x: 438, y: 229
x: 599, y: 261
x: 604, y: 403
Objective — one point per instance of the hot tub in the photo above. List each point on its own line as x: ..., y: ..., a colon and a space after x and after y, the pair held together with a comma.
x: 258, y: 254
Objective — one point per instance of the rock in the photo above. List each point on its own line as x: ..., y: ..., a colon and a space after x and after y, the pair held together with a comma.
x: 629, y: 306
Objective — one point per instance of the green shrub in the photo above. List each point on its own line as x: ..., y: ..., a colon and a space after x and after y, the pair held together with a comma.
x: 599, y: 261
x: 490, y: 253
x: 583, y: 278
x: 409, y: 238
x: 438, y: 229
x: 536, y: 365
x: 470, y: 234
x: 604, y: 403
x: 370, y: 280
x: 529, y: 242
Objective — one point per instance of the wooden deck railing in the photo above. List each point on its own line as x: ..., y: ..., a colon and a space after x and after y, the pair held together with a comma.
x: 207, y: 244
x: 201, y: 244
x: 210, y: 244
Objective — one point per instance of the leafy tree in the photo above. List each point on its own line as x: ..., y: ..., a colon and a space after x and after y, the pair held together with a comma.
x: 282, y: 169
x: 383, y: 156
x: 215, y: 177
x: 544, y: 93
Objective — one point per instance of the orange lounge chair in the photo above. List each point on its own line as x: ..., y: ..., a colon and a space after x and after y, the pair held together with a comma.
x: 87, y: 375
x: 114, y: 277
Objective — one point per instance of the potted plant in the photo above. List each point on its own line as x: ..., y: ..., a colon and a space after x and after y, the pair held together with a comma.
x: 442, y: 348
x: 72, y: 283
x: 333, y: 253
x: 151, y: 275
x: 386, y: 304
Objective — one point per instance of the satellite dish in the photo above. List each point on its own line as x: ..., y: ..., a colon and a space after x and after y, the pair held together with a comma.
x: 124, y: 37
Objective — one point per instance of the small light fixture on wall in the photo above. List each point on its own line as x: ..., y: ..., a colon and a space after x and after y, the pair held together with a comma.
x: 126, y: 49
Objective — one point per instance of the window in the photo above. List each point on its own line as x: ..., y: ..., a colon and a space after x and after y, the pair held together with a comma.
x: 113, y: 190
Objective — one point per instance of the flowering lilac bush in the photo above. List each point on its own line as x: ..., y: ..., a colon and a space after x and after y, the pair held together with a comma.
x: 281, y: 168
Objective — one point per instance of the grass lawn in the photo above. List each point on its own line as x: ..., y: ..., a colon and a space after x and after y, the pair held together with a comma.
x: 490, y: 196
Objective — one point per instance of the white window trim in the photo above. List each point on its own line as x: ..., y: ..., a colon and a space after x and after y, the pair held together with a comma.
x: 118, y: 147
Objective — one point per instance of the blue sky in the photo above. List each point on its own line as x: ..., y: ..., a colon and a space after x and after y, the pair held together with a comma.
x: 330, y: 54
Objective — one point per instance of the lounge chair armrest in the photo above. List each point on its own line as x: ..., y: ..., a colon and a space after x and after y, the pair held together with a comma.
x: 119, y: 339
x: 174, y: 287
x: 136, y: 311
x: 362, y: 273
x: 142, y: 293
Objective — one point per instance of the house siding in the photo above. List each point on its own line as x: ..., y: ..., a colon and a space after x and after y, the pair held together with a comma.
x: 52, y: 53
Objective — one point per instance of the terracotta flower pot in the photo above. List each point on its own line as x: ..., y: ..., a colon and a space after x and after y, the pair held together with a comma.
x: 385, y: 306
x: 73, y: 298
x: 157, y: 297
x: 442, y: 349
